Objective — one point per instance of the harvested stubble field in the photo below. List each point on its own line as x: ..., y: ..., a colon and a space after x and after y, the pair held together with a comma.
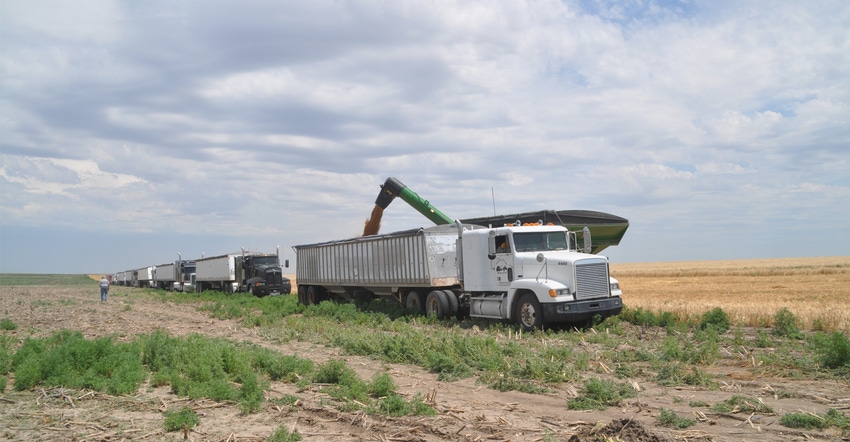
x: 816, y: 290
x: 483, y: 380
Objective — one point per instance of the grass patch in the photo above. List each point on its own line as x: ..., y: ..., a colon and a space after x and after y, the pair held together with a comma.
x: 742, y: 404
x: 668, y: 418
x: 7, y: 324
x: 832, y: 419
x: 182, y: 420
x: 282, y: 434
x: 68, y: 359
x: 833, y: 351
x: 18, y: 279
x: 600, y: 394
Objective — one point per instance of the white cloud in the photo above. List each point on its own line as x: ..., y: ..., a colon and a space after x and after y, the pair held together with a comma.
x: 281, y: 120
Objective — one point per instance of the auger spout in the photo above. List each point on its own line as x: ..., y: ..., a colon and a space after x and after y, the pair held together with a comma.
x: 393, y: 188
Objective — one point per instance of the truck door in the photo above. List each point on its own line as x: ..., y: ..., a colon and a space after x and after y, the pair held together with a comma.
x: 503, y: 263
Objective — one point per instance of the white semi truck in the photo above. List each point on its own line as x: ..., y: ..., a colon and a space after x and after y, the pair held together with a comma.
x: 531, y: 274
x: 165, y: 275
x: 257, y: 273
x: 144, y: 277
x: 178, y: 276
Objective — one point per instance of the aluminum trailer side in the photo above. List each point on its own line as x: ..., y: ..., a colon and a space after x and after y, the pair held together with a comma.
x: 165, y: 275
x: 216, y: 272
x: 385, y: 265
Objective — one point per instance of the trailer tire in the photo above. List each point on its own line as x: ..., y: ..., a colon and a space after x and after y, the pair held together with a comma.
x: 302, y: 295
x: 453, y: 302
x: 437, y: 304
x: 528, y: 313
x: 315, y: 295
x: 413, y: 301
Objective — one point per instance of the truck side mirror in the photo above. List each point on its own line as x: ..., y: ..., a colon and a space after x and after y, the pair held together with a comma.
x: 286, y: 263
x: 491, y: 245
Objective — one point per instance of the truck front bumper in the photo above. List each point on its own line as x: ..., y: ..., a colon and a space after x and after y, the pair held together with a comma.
x: 265, y: 290
x: 581, y: 310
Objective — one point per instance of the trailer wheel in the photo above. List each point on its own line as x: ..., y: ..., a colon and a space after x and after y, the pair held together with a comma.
x: 413, y: 301
x: 437, y: 304
x: 453, y: 302
x: 528, y: 313
x: 315, y: 295
x: 302, y: 295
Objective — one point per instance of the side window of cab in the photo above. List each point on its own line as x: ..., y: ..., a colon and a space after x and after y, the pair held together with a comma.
x: 502, y: 245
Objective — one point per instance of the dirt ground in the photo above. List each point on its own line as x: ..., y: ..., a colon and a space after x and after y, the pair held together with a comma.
x: 466, y: 411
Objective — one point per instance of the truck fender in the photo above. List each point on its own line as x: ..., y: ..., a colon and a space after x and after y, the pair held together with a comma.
x: 522, y: 286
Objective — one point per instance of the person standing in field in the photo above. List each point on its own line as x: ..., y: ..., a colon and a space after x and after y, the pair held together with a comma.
x: 104, y: 289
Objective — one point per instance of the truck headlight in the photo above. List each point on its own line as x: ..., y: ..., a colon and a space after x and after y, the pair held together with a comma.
x: 615, y: 286
x: 560, y: 292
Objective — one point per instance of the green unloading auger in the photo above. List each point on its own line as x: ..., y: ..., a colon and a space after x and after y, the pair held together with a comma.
x: 606, y: 229
x: 393, y: 188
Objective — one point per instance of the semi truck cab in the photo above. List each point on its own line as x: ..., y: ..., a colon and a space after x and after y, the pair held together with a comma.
x: 263, y: 276
x: 532, y: 275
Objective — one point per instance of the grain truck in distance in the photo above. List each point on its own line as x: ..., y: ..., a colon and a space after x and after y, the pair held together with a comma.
x: 178, y: 276
x: 533, y: 275
x: 257, y: 273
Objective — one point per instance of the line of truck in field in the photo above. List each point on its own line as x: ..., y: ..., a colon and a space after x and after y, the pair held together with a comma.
x: 252, y: 272
x: 533, y: 268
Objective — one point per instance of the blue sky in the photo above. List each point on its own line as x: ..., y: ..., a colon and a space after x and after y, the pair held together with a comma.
x: 131, y: 131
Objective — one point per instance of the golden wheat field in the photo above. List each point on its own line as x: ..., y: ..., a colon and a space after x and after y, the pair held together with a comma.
x: 815, y: 290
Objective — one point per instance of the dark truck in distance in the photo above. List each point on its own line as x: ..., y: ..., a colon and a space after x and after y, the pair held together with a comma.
x: 257, y: 273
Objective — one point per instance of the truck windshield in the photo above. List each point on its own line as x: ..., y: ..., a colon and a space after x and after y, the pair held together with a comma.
x: 265, y: 260
x: 540, y: 241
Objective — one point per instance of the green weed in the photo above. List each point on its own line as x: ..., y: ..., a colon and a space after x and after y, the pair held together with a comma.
x: 282, y: 434
x: 832, y: 419
x: 833, y: 350
x: 742, y: 404
x: 785, y: 324
x: 7, y: 324
x: 68, y: 359
x: 183, y: 420
x: 24, y: 279
x: 715, y: 318
x: 668, y: 418
x: 642, y: 317
x: 600, y: 394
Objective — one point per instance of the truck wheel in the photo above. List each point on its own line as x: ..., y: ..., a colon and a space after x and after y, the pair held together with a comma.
x: 413, y: 301
x: 453, y: 302
x: 528, y: 313
x: 314, y: 295
x: 437, y: 304
x: 302, y: 295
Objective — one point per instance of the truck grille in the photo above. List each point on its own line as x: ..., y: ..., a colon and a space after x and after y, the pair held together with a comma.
x: 274, y: 279
x: 591, y: 280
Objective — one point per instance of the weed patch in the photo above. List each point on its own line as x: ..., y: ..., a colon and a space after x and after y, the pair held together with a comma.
x: 668, y: 418
x: 182, y: 420
x: 600, y: 394
x: 832, y: 419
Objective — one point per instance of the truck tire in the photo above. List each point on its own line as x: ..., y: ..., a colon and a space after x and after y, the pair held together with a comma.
x: 315, y: 295
x: 528, y: 313
x: 302, y: 295
x: 437, y: 304
x: 453, y: 302
x: 413, y: 301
